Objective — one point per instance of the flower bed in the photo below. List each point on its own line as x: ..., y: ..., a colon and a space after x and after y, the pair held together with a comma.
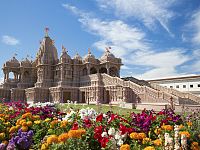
x: 43, y: 126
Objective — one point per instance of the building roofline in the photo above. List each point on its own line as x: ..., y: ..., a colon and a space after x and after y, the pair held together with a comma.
x: 175, y: 78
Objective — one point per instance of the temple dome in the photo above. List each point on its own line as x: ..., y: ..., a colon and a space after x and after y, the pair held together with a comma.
x: 77, y: 58
x: 25, y: 63
x: 107, y: 56
x: 12, y: 63
x: 65, y: 58
x: 89, y: 58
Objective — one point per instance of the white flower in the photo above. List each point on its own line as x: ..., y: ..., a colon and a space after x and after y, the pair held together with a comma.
x: 111, y: 131
x: 120, y: 142
x: 104, y: 134
x: 117, y: 135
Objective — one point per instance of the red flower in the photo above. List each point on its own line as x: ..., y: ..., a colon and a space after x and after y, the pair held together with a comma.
x: 104, y: 141
x: 125, y: 129
x: 75, y: 126
x: 97, y: 133
x: 99, y: 118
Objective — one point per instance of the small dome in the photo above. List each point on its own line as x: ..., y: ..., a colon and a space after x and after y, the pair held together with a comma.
x: 107, y: 56
x: 25, y: 63
x: 12, y: 63
x: 89, y: 58
x: 77, y: 58
x: 65, y: 58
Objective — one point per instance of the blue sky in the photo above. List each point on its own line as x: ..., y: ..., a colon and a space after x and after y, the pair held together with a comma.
x: 155, y: 39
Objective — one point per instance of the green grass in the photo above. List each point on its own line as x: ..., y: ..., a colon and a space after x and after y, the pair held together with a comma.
x: 101, y: 108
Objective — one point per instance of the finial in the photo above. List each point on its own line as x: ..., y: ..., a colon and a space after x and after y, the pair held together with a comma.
x: 40, y: 41
x: 46, y: 31
x: 108, y: 49
x: 63, y: 49
x: 89, y: 52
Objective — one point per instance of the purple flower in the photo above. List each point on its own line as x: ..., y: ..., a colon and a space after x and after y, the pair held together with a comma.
x: 2, y: 146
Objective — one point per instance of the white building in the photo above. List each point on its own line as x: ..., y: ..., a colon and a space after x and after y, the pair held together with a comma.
x: 183, y: 84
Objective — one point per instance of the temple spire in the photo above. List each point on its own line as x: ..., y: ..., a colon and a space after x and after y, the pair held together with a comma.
x: 64, y: 49
x: 46, y: 31
x: 89, y: 51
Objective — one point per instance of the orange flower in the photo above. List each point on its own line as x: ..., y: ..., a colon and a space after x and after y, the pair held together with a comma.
x: 134, y: 135
x: 125, y: 147
x: 24, y: 128
x: 2, y: 135
x: 157, y: 131
x: 24, y: 124
x: 141, y: 136
x: 76, y: 133
x: 157, y: 142
x: 189, y: 123
x: 63, y: 123
x: 167, y: 127
x: 63, y: 137
x: 181, y: 127
x: 52, y: 139
x: 12, y: 129
x: 186, y: 133
x: 195, y: 146
x: 29, y: 123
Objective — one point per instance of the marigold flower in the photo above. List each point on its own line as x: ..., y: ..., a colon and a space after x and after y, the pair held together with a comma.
x: 17, y: 127
x: 134, y: 135
x: 149, y: 148
x: 24, y: 124
x: 63, y: 137
x: 76, y: 133
x: 37, y: 121
x: 141, y: 136
x: 26, y: 115
x: 189, y: 123
x: 29, y: 123
x: 52, y: 139
x: 24, y: 128
x: 12, y: 129
x: 157, y: 142
x: 146, y: 140
x: 125, y: 147
x: 186, y: 133
x: 195, y: 146
x: 167, y: 127
x: 63, y: 123
x: 2, y: 135
x: 44, y: 146
x: 181, y: 127
x: 47, y: 120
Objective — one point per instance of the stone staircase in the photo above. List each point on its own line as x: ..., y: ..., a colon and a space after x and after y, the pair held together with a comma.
x: 146, y: 93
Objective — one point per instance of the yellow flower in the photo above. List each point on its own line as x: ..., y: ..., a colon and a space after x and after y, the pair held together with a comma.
x: 26, y: 115
x: 146, y: 140
x: 52, y: 139
x: 189, y: 123
x: 63, y: 124
x: 125, y: 147
x: 63, y: 137
x: 157, y: 131
x: 195, y: 146
x: 181, y: 126
x: 29, y: 123
x: 12, y: 129
x: 149, y: 148
x: 36, y: 117
x: 44, y: 146
x: 37, y: 121
x: 186, y: 133
x: 2, y: 135
x: 157, y: 142
x: 17, y: 127
x: 47, y: 120
x: 24, y: 128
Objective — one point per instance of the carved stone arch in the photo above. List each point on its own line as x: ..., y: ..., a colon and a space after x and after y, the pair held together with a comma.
x: 84, y: 71
x: 113, y: 71
x: 102, y: 70
x: 93, y: 70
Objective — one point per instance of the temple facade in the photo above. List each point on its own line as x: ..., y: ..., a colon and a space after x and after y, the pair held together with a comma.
x: 85, y: 80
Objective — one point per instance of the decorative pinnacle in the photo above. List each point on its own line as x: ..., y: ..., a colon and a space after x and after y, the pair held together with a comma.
x: 89, y: 52
x: 46, y: 31
x: 63, y: 49
x: 108, y: 49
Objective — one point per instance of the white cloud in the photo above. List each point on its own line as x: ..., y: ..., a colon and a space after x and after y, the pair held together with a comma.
x: 195, y: 27
x: 9, y: 40
x: 150, y: 12
x: 131, y: 44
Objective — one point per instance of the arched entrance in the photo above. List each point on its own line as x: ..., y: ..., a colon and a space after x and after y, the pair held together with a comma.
x: 103, y: 70
x: 93, y: 70
x: 113, y: 71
